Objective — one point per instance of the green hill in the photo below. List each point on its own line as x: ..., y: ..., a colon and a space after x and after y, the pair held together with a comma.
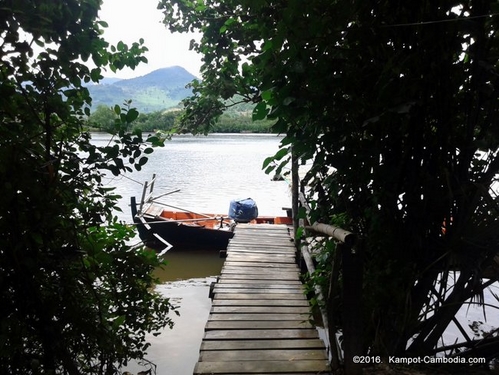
x: 158, y: 90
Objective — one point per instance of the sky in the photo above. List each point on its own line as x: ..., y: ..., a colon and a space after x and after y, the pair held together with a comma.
x: 130, y: 20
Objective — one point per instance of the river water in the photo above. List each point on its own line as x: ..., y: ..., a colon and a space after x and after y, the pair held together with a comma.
x: 210, y: 171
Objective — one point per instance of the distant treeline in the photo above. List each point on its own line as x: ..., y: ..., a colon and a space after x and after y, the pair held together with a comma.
x: 103, y: 119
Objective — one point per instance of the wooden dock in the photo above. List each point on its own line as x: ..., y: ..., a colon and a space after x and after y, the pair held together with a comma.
x: 259, y: 323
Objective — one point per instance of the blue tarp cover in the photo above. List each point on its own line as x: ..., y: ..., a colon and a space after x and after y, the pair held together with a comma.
x: 243, y: 210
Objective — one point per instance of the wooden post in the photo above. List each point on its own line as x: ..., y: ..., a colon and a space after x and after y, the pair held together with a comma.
x: 352, y: 308
x: 332, y: 307
x: 142, y: 200
x: 295, y: 189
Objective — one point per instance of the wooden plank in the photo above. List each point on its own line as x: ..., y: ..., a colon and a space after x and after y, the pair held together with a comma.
x: 252, y: 334
x: 257, y: 317
x: 261, y: 271
x: 262, y: 258
x: 262, y: 231
x: 247, y: 253
x: 270, y: 241
x: 262, y: 254
x: 256, y: 325
x: 278, y: 239
x: 275, y: 227
x: 268, y: 302
x: 262, y: 344
x: 241, y: 229
x: 263, y: 355
x: 249, y: 275
x: 259, y: 296
x: 248, y: 281
x: 262, y: 264
x: 256, y: 290
x: 261, y: 250
x: 263, y: 285
x: 260, y: 310
x: 252, y: 270
x: 260, y: 367
x: 274, y: 241
x: 262, y: 277
x: 255, y: 270
x: 266, y: 244
x: 259, y: 253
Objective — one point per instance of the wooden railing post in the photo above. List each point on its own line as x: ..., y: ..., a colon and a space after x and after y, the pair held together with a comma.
x: 332, y: 308
x: 295, y: 190
x: 349, y: 260
x: 352, y: 308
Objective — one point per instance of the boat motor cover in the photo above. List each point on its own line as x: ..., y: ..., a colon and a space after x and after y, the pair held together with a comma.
x: 243, y: 210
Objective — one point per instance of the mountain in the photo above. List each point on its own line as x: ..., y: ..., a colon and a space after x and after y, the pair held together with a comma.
x: 158, y: 90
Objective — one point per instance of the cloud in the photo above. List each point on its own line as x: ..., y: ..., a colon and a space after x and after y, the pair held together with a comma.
x: 130, y: 20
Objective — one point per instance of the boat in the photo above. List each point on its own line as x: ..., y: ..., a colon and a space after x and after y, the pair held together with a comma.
x: 161, y: 229
x: 162, y: 226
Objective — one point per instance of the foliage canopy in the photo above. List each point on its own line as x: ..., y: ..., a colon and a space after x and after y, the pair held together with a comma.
x: 394, y: 104
x: 75, y: 297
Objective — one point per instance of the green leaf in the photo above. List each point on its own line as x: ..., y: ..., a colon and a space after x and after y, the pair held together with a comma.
x: 267, y: 95
x: 260, y: 111
x: 299, y: 233
x: 118, y: 322
x: 267, y: 161
x: 281, y: 153
x: 269, y: 169
x: 132, y: 115
x: 95, y: 74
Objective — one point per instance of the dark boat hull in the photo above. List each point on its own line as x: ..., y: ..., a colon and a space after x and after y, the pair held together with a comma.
x: 186, y: 237
x: 158, y: 234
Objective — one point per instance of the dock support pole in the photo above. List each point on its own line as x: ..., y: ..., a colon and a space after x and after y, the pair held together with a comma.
x: 295, y: 189
x: 352, y: 311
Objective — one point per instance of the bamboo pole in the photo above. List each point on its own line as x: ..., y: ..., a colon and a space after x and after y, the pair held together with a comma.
x: 295, y: 188
x: 337, y: 233
x: 169, y: 221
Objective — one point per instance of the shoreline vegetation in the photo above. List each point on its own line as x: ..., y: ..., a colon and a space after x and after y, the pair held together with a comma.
x: 103, y: 119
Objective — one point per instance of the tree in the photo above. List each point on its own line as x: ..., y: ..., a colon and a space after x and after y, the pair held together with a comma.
x: 157, y: 121
x: 102, y: 118
x: 75, y: 297
x: 395, y: 105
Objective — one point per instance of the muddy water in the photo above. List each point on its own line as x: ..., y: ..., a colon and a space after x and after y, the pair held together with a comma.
x: 186, y: 281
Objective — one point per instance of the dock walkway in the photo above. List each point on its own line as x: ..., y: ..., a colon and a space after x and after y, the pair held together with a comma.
x: 258, y: 323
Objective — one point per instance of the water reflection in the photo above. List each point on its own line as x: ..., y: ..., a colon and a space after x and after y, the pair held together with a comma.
x: 176, y: 351
x: 185, y: 280
x: 184, y: 265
